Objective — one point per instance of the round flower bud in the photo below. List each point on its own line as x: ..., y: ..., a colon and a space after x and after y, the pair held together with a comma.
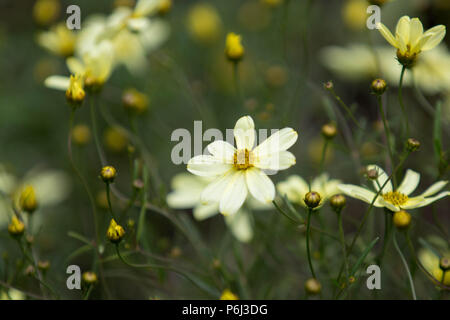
x: 444, y: 264
x: 81, y: 134
x: 351, y: 279
x: 43, y: 265
x: 108, y: 174
x: 27, y: 199
x: 337, y: 202
x: 378, y: 86
x: 89, y: 277
x: 16, y: 228
x: 135, y: 101
x: 328, y: 85
x: 312, y: 199
x: 412, y: 144
x: 329, y: 130
x: 402, y: 219
x: 233, y: 47
x: 45, y: 12
x: 75, y: 93
x: 115, y: 232
x: 372, y: 174
x: 313, y: 286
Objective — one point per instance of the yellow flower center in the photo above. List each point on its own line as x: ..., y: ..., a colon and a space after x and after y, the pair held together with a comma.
x: 395, y: 197
x: 243, y: 159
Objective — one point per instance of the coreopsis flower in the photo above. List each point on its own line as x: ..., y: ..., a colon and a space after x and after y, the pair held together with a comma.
x: 399, y: 199
x: 295, y: 188
x: 410, y: 39
x: 50, y: 187
x: 187, y: 189
x: 115, y: 232
x: 204, y: 23
x: 240, y: 170
x: 233, y: 47
x: 58, y: 40
x: 431, y: 263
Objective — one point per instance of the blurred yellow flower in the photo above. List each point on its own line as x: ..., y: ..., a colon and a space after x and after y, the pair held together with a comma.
x: 410, y: 39
x: 27, y: 199
x: 135, y: 101
x: 115, y: 140
x: 59, y: 40
x: 228, y: 295
x: 46, y: 12
x: 354, y: 14
x: 431, y: 263
x: 204, y: 23
x: 233, y: 47
x: 399, y: 199
x: 81, y: 134
x: 75, y: 93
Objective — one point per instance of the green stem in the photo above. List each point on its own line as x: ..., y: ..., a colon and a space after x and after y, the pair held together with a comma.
x: 237, y: 82
x: 388, y: 135
x: 95, y: 132
x: 88, y: 292
x: 400, y: 99
x: 308, y: 235
x: 387, y: 232
x: 108, y: 197
x: 324, y: 152
x: 343, y: 105
x: 344, y: 249
x: 411, y: 283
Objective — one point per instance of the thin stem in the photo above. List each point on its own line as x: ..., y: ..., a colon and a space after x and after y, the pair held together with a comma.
x: 95, y: 132
x: 344, y: 249
x: 387, y: 232
x: 324, y: 152
x: 308, y: 235
x: 400, y: 99
x: 411, y: 283
x: 343, y: 105
x: 88, y: 292
x: 108, y: 197
x: 237, y: 82
x: 388, y: 135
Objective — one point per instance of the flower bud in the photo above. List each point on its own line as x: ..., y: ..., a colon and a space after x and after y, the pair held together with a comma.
x: 312, y: 199
x: 164, y: 7
x: 372, y: 174
x: 412, y: 144
x: 75, y: 93
x: 108, y: 174
x: 45, y: 12
x: 378, y: 86
x: 228, y: 295
x: 27, y: 199
x: 329, y: 130
x: 43, y: 265
x: 115, y: 232
x: 402, y: 219
x: 233, y: 47
x: 16, y: 228
x: 328, y: 85
x: 337, y: 202
x: 81, y: 134
x: 444, y: 264
x: 313, y: 286
x: 89, y: 277
x: 135, y: 101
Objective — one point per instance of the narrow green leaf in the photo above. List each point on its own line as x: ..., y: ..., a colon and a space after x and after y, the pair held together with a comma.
x: 363, y: 256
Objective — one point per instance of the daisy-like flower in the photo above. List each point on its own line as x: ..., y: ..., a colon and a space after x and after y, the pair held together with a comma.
x: 186, y: 194
x: 59, y: 40
x: 410, y: 39
x: 239, y: 170
x: 295, y: 188
x: 399, y: 199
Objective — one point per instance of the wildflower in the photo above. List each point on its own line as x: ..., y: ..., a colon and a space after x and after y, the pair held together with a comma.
x: 400, y: 199
x: 81, y: 134
x: 27, y: 200
x: 16, y: 227
x: 115, y: 232
x: 412, y: 144
x: 46, y: 11
x: 329, y: 130
x: 58, y: 40
x: 115, y: 139
x: 295, y: 188
x: 108, y: 174
x: 401, y: 219
x: 135, y: 101
x: 354, y: 14
x: 239, y: 170
x: 204, y: 23
x: 410, y: 39
x: 337, y: 202
x: 89, y: 277
x: 233, y: 47
x: 313, y: 286
x: 378, y: 86
x: 75, y: 93
x: 187, y: 189
x: 228, y: 295
x: 431, y: 263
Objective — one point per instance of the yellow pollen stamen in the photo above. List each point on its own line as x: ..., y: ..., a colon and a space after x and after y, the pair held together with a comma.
x: 395, y: 197
x: 243, y: 159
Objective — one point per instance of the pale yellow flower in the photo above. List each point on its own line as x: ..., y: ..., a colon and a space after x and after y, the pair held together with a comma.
x: 295, y: 188
x: 204, y: 23
x: 410, y: 39
x: 240, y: 170
x: 59, y: 40
x: 431, y: 263
x: 399, y: 199
x: 187, y: 189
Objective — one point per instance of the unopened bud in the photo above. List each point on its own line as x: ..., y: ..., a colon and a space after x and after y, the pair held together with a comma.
x: 412, y: 144
x: 378, y: 86
x: 444, y: 264
x: 115, y: 232
x: 16, y: 228
x: 89, y: 277
x: 313, y: 286
x: 312, y: 199
x: 337, y: 202
x: 329, y: 130
x: 108, y: 174
x: 402, y: 219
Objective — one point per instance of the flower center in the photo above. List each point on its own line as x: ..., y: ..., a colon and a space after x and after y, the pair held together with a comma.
x: 395, y: 197
x: 243, y: 159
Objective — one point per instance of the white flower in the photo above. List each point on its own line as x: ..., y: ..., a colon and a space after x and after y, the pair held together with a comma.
x: 187, y: 190
x: 295, y: 188
x: 239, y: 170
x: 396, y: 200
